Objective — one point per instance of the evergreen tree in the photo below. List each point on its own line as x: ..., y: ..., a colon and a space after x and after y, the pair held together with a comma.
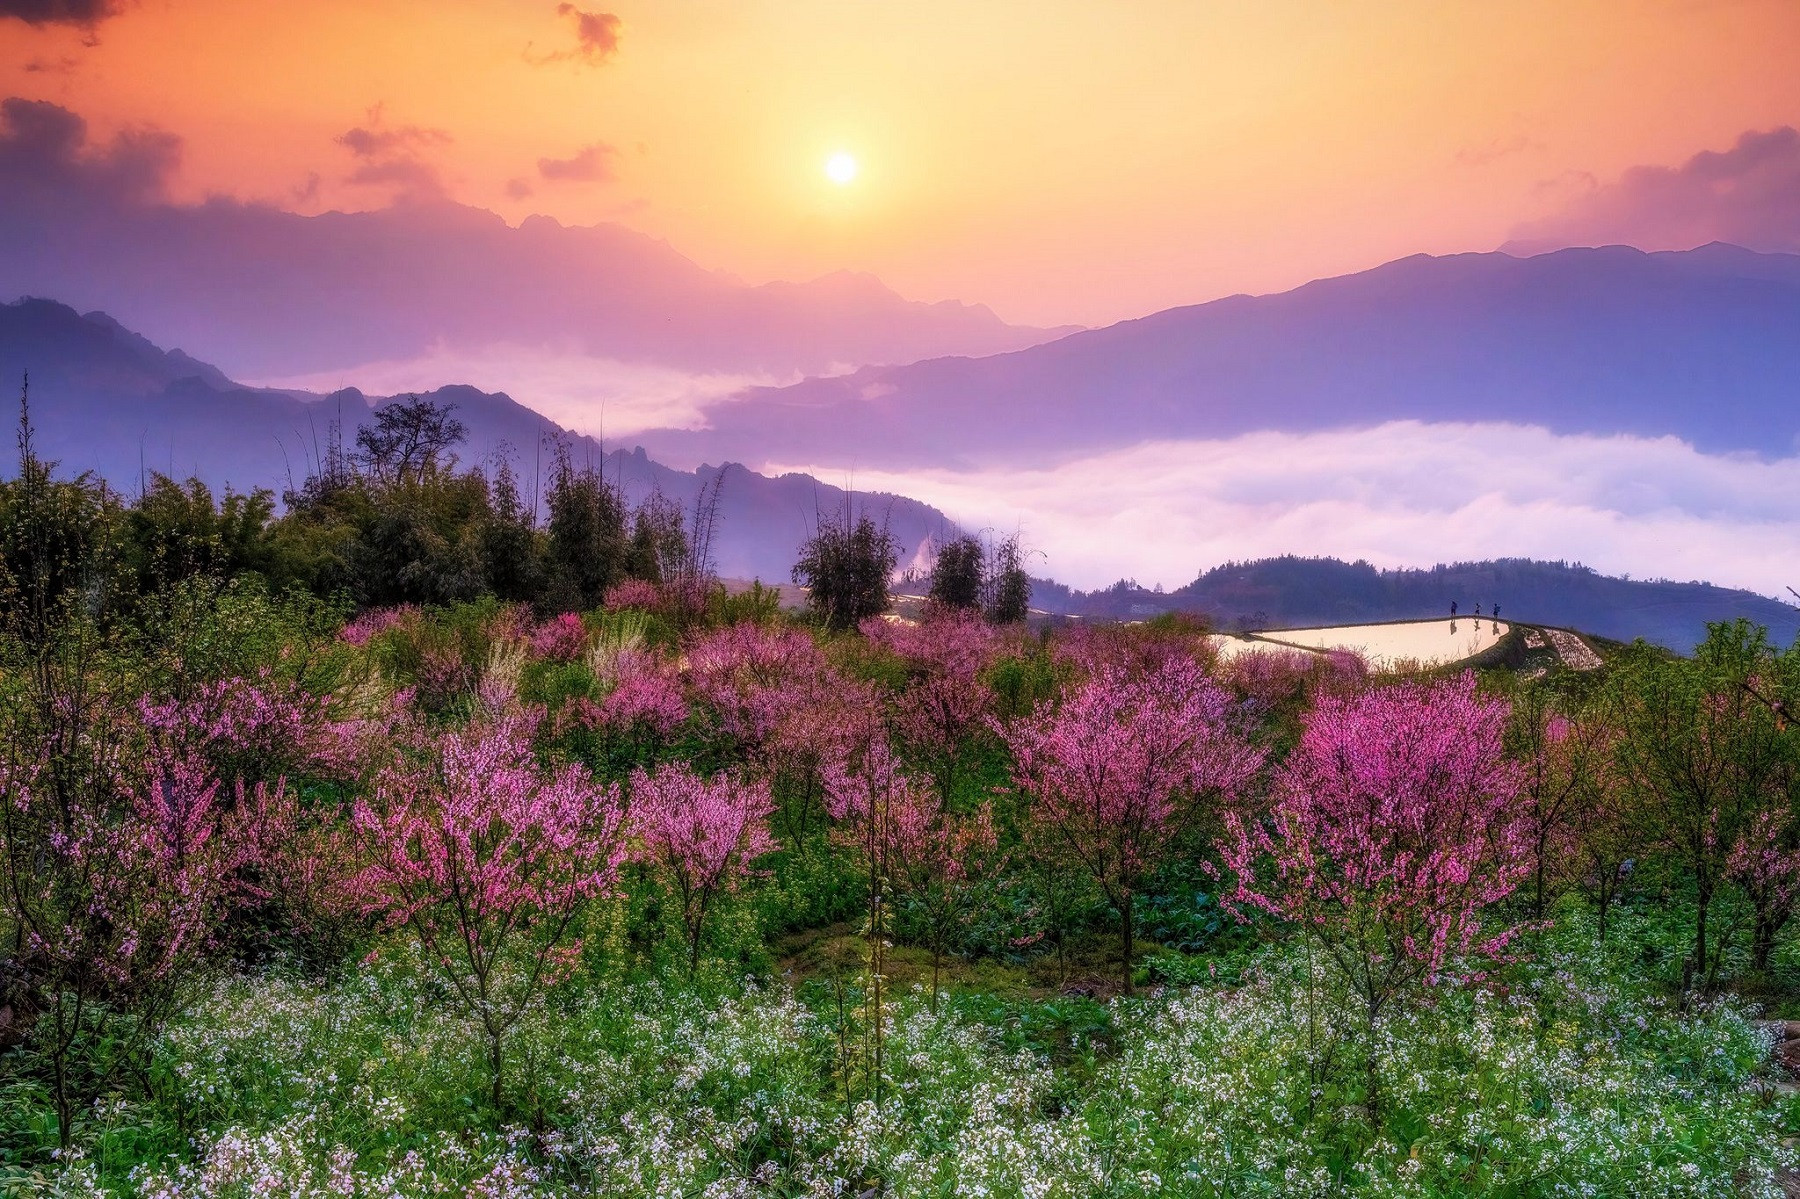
x: 588, y: 545
x: 512, y: 556
x: 846, y: 566
x: 956, y: 574
x: 1008, y: 587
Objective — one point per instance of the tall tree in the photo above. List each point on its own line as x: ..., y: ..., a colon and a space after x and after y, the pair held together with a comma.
x: 956, y: 574
x: 588, y: 544
x: 846, y: 566
x: 1704, y: 756
x: 410, y: 438
x: 1007, y: 587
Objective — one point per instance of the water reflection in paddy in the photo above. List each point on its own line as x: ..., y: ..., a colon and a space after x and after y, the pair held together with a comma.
x: 1426, y: 642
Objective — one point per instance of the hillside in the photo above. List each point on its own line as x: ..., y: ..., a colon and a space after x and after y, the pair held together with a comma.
x: 1292, y: 592
x: 106, y: 400
x: 109, y: 401
x: 1698, y: 345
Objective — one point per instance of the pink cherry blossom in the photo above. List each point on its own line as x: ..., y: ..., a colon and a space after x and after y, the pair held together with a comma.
x: 701, y: 834
x: 488, y: 859
x: 1395, y: 827
x: 1124, y: 765
x: 561, y: 639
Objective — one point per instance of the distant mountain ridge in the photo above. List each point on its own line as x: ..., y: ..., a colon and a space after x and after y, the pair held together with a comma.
x: 1294, y: 592
x: 277, y: 294
x: 105, y: 400
x: 1699, y: 344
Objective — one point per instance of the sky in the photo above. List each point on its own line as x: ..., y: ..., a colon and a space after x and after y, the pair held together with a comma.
x: 1060, y: 162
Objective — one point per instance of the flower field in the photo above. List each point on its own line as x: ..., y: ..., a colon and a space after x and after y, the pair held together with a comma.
x: 699, y: 898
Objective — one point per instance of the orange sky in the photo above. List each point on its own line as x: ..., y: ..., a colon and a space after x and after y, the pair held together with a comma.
x: 1061, y: 162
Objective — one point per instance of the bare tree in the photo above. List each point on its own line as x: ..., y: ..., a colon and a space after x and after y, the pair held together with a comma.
x: 408, y: 437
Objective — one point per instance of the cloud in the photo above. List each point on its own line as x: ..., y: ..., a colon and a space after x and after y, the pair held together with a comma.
x: 45, y: 154
x: 596, y: 38
x: 384, y: 143
x: 1748, y: 195
x: 1402, y: 494
x: 395, y: 157
x: 83, y: 13
x: 588, y: 165
x: 517, y: 189
x: 586, y: 393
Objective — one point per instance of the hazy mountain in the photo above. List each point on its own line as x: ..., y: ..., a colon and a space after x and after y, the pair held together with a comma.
x: 274, y: 293
x: 1294, y: 592
x: 1700, y: 344
x: 106, y: 400
x: 271, y: 293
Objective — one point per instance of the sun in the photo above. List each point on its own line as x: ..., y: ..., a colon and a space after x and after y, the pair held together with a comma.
x: 840, y: 168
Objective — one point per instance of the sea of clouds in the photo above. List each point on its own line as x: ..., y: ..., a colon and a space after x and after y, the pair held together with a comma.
x: 604, y: 397
x: 1399, y: 494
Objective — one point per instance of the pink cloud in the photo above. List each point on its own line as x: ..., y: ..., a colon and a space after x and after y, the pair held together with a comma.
x: 1748, y: 195
x: 596, y: 38
x: 590, y: 164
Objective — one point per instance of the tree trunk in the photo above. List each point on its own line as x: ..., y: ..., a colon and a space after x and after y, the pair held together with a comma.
x: 1763, y: 945
x: 1125, y: 940
x: 1372, y: 1066
x: 1704, y: 900
x: 495, y: 1063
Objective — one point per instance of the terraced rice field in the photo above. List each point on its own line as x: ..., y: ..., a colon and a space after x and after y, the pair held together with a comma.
x: 1385, y: 646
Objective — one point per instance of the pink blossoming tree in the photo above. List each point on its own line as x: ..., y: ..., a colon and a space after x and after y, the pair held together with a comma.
x: 1766, y: 864
x: 945, y: 704
x: 1127, y: 764
x: 113, y: 896
x: 488, y: 859
x: 926, y: 853
x: 560, y: 639
x: 701, y: 835
x: 258, y: 728
x: 788, y: 709
x: 1394, y: 830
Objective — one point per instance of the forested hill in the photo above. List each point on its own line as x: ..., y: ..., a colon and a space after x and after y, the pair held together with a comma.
x: 1295, y: 592
x: 106, y: 400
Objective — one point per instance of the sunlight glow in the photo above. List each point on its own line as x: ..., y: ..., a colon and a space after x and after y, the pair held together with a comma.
x: 840, y: 168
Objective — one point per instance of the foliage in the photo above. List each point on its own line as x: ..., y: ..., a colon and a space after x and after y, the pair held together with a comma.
x: 956, y: 574
x: 701, y: 834
x: 1704, y: 755
x: 488, y: 861
x: 318, y: 877
x: 1119, y: 770
x: 846, y: 565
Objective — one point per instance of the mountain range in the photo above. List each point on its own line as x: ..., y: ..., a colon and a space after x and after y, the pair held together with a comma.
x: 1700, y: 345
x: 106, y: 400
x: 1696, y: 346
